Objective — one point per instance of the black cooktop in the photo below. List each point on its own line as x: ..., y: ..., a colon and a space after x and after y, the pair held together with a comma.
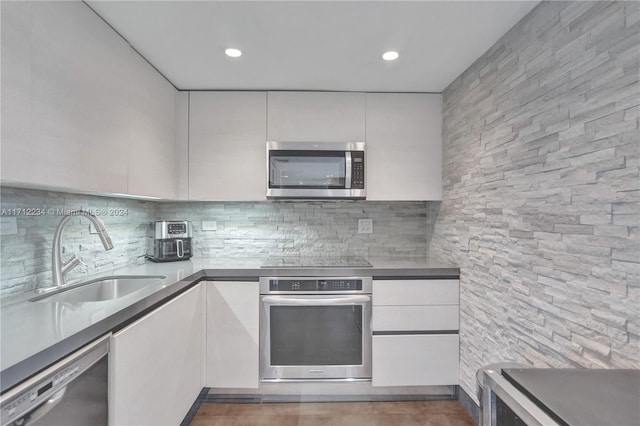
x: 316, y: 262
x: 582, y: 397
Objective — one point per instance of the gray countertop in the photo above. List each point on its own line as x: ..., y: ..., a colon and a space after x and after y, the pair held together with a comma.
x: 580, y: 396
x: 34, y: 335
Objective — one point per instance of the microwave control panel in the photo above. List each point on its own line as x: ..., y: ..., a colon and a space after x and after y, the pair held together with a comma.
x: 357, y: 169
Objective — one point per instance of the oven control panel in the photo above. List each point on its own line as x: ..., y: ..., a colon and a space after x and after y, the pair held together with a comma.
x: 315, y: 285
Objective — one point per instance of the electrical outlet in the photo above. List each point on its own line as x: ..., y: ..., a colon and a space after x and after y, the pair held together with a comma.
x: 209, y: 225
x: 365, y: 226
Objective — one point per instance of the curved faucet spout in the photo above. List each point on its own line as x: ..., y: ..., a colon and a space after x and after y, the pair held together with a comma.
x: 60, y: 268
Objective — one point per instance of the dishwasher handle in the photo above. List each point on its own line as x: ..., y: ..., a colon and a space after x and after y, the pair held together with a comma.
x: 43, y: 409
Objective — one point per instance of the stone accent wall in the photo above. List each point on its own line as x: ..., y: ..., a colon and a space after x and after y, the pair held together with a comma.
x: 261, y: 229
x: 541, y: 204
x: 310, y: 228
x: 25, y: 258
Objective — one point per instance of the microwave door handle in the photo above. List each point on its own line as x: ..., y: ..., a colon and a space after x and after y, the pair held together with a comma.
x: 347, y: 172
x: 272, y: 172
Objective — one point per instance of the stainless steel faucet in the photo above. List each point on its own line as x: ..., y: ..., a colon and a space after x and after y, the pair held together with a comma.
x: 61, y: 268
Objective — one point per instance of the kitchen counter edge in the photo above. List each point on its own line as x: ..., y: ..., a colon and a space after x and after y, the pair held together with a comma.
x: 17, y: 373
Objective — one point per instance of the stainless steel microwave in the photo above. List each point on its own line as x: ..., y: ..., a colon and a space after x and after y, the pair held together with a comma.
x: 316, y: 170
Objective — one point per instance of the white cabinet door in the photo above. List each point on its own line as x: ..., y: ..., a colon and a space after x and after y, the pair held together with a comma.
x: 155, y: 365
x: 415, y: 318
x: 16, y: 144
x: 316, y: 117
x: 404, y: 146
x: 415, y: 360
x: 416, y: 292
x: 232, y: 359
x: 152, y: 132
x: 71, y: 121
x: 227, y: 146
x: 81, y: 110
x: 182, y: 144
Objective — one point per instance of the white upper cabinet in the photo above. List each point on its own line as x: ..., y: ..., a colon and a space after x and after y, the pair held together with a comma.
x: 227, y: 146
x: 404, y: 146
x: 153, y: 163
x: 316, y: 117
x: 182, y: 145
x: 80, y: 109
x: 16, y: 91
x: 72, y: 116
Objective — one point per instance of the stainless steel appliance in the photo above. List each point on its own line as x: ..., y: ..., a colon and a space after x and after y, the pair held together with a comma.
x: 316, y: 170
x: 552, y: 396
x: 72, y: 392
x: 171, y: 241
x: 315, y: 328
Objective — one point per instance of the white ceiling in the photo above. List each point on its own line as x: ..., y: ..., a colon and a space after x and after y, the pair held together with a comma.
x: 312, y: 45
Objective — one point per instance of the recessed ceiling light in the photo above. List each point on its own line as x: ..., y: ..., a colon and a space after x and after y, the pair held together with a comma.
x: 390, y: 55
x: 234, y: 53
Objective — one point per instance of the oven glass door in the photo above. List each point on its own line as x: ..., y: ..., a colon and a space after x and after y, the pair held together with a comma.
x: 307, y: 169
x: 311, y: 337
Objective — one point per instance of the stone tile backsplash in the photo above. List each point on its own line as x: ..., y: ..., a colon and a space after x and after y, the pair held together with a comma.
x: 261, y: 229
x: 541, y: 196
x: 25, y: 258
x: 318, y: 228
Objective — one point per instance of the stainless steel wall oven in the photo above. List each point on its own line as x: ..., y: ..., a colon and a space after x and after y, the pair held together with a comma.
x: 315, y: 328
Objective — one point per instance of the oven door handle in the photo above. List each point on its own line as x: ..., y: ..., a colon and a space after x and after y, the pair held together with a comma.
x: 316, y: 300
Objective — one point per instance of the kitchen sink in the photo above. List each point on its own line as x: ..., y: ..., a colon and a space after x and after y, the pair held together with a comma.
x: 101, y: 289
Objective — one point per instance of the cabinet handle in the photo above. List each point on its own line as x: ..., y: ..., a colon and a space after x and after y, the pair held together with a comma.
x: 413, y: 332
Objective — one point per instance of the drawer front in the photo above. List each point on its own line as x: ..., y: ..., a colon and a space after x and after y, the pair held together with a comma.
x: 416, y: 318
x: 415, y: 360
x: 416, y: 292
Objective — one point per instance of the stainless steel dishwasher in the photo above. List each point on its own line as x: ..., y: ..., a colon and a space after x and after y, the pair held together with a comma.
x: 71, y: 392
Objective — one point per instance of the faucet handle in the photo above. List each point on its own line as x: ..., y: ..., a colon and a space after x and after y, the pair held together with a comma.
x: 71, y: 263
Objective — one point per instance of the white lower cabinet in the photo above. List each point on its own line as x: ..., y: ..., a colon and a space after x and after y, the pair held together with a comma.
x: 232, y: 359
x: 415, y: 360
x: 415, y: 327
x: 411, y: 318
x: 156, y: 364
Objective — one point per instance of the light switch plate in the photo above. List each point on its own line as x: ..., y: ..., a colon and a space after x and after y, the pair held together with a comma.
x: 365, y: 226
x: 209, y: 225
